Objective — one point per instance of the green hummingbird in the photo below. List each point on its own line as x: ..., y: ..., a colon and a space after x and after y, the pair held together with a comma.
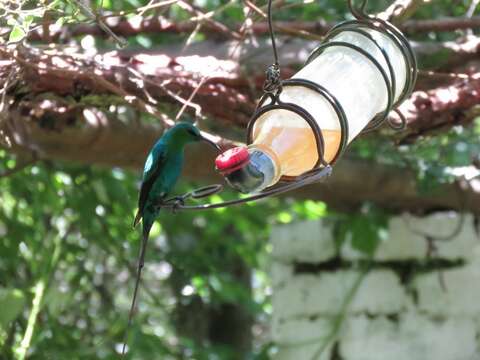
x: 161, y: 171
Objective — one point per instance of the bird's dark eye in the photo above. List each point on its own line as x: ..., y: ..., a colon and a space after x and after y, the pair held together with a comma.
x: 193, y: 133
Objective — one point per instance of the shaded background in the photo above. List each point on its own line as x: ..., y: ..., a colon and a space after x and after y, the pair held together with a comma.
x: 80, y: 109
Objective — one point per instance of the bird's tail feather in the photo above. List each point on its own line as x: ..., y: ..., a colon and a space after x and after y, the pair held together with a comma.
x: 147, y: 225
x: 138, y: 217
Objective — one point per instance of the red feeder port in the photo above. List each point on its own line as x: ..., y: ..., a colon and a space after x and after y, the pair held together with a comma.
x: 232, y: 159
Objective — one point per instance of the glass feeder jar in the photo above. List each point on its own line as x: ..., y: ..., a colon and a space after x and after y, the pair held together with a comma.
x: 363, y: 68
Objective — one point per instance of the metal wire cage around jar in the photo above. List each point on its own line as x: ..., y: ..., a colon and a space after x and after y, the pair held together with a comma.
x: 274, y: 86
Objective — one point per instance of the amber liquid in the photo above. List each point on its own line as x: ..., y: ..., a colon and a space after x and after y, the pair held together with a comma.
x: 295, y: 148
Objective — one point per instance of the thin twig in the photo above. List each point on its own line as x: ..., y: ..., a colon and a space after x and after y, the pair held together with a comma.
x: 304, y: 29
x: 178, y: 98
x: 470, y: 12
x: 339, y: 319
x: 208, y: 18
x: 342, y: 314
x: 431, y: 239
x: 39, y: 292
x: 141, y: 10
x: 191, y: 37
x: 439, y: 75
x: 102, y: 82
x: 4, y: 138
x: 439, y: 237
x: 204, y: 79
x: 282, y: 28
x: 400, y: 10
x: 190, y: 98
x: 98, y: 19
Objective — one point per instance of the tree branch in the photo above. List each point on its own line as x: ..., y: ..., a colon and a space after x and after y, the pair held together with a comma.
x: 429, y: 112
x: 113, y: 143
x: 446, y: 24
x: 159, y: 24
x: 222, y: 95
x: 148, y: 81
x: 60, y: 120
x: 447, y: 55
x: 400, y: 10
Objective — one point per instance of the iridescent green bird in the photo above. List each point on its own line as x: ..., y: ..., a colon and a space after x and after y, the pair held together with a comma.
x: 161, y: 171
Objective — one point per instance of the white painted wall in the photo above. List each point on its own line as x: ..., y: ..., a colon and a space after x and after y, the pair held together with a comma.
x: 388, y: 318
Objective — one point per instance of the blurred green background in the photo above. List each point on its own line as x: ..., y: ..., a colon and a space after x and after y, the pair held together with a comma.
x: 68, y: 250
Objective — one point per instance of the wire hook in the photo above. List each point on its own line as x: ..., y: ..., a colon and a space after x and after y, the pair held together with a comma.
x: 359, y: 13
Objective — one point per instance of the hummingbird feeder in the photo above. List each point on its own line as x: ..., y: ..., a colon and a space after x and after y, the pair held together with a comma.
x: 358, y: 75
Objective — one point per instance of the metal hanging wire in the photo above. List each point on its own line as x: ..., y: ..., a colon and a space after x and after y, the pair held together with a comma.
x: 273, y: 87
x: 273, y: 80
x: 362, y: 24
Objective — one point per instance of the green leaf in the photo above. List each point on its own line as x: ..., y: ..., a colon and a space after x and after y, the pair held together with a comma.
x: 17, y: 34
x: 12, y: 302
x: 27, y: 21
x: 340, y: 232
x: 107, y: 4
x: 364, y: 231
x: 365, y: 237
x: 284, y: 217
x: 477, y: 126
x: 60, y: 21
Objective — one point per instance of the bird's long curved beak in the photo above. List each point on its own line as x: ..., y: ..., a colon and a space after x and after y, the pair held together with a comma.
x: 216, y: 146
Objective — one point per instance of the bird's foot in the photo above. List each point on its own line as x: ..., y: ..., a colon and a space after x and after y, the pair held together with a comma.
x: 175, y: 203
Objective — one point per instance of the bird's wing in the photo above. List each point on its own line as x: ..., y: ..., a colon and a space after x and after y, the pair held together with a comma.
x: 152, y: 170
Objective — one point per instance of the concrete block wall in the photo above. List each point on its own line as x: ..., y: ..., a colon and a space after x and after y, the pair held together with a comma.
x: 411, y: 305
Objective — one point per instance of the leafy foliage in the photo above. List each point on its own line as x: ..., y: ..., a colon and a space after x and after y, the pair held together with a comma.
x: 85, y: 215
x: 363, y: 231
x: 433, y: 159
x: 67, y: 228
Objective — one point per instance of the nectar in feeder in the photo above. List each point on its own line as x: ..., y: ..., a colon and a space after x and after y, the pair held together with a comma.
x: 284, y: 144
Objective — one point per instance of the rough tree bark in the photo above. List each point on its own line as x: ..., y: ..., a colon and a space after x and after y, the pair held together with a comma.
x: 159, y: 24
x: 58, y: 109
